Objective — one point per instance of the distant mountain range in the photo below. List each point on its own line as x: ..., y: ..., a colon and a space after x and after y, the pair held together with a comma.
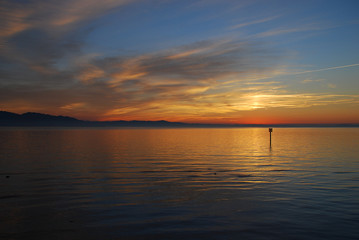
x: 32, y: 119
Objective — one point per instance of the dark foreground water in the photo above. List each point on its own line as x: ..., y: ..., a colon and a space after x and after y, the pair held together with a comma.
x: 179, y: 183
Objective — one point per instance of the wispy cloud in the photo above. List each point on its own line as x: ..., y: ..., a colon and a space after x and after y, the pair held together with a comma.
x: 311, y: 80
x: 249, y: 23
x: 331, y: 85
x: 325, y: 69
x: 288, y: 30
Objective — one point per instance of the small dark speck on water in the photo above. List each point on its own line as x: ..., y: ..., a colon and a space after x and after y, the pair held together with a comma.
x: 7, y: 176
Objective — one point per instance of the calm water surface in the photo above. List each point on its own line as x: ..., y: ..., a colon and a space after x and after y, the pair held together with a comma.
x: 179, y: 183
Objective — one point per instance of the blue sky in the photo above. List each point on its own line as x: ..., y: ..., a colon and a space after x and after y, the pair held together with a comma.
x: 194, y: 61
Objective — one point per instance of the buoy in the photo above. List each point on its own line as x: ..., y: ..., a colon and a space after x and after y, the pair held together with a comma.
x: 270, y: 136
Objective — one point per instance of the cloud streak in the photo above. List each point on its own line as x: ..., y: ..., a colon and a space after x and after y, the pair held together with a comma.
x: 325, y: 69
x: 249, y: 23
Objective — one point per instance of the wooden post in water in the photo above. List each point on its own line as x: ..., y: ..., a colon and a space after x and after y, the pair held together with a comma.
x: 270, y: 136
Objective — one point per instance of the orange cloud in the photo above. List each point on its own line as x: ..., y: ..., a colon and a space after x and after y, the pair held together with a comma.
x: 90, y: 74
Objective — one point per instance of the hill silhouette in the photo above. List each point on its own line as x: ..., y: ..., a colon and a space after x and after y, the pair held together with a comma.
x: 36, y: 119
x: 33, y: 119
x: 46, y: 120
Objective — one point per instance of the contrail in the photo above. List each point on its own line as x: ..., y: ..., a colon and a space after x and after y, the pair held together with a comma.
x: 324, y: 69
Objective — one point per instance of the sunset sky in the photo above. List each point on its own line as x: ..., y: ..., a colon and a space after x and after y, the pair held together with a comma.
x: 208, y: 61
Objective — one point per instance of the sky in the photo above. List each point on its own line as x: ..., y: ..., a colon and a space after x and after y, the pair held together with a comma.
x: 199, y: 61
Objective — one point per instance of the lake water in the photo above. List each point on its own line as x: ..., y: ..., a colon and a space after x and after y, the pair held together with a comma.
x: 179, y: 183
